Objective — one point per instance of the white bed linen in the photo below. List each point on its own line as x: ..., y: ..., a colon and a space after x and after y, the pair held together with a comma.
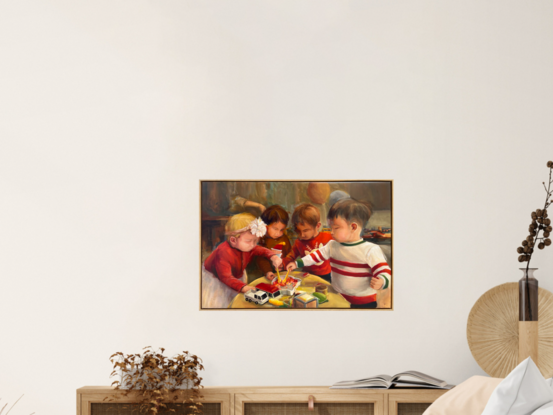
x: 546, y: 409
x: 522, y: 392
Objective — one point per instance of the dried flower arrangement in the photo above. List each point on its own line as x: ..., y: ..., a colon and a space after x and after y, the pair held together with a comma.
x: 528, y: 302
x: 540, y: 222
x: 158, y: 379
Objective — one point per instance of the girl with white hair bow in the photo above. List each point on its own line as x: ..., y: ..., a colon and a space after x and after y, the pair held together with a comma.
x: 224, y: 270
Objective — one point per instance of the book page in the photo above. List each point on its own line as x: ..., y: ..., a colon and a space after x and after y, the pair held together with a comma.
x: 385, y: 378
x: 421, y: 376
x: 374, y: 383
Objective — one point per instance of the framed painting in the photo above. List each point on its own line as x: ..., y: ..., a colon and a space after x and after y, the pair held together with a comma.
x: 290, y: 245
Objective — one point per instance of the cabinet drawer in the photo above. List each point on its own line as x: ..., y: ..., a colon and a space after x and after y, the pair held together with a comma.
x: 297, y: 404
x: 409, y: 408
x: 414, y: 403
x: 134, y: 409
x: 95, y: 404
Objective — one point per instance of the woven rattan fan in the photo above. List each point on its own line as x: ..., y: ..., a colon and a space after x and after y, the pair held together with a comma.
x: 492, y: 330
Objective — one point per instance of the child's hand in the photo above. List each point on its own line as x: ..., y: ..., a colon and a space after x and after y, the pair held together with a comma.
x: 282, y: 265
x: 246, y: 288
x: 270, y: 276
x: 291, y: 266
x: 275, y: 259
x: 377, y: 283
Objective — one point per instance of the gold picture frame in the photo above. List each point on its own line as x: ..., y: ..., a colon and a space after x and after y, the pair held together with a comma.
x: 221, y: 199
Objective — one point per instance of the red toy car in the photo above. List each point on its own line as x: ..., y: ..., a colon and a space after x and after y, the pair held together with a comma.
x: 271, y: 290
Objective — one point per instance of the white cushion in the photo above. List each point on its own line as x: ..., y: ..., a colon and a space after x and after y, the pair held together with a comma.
x: 468, y: 398
x: 523, y: 391
x: 546, y: 409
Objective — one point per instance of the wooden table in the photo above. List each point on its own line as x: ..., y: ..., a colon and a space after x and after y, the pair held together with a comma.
x: 308, y: 282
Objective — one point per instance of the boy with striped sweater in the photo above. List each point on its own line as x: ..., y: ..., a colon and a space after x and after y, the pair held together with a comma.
x: 359, y: 268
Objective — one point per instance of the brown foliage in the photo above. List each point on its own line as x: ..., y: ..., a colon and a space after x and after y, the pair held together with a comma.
x: 158, y: 380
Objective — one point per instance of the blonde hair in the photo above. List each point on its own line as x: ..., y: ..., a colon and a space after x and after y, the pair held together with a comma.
x: 237, y: 222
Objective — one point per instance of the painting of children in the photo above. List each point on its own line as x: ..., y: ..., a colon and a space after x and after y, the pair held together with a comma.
x: 284, y: 244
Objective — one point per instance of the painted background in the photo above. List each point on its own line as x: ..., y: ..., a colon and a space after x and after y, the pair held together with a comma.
x: 113, y: 111
x: 219, y: 204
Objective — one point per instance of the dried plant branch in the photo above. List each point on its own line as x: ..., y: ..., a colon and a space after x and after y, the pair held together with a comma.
x: 540, y: 222
x: 158, y: 378
x: 9, y: 410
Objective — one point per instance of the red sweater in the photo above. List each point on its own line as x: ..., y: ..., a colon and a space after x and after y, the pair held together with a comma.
x: 228, y: 263
x: 303, y: 248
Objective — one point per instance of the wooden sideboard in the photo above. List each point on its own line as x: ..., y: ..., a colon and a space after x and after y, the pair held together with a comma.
x: 91, y: 400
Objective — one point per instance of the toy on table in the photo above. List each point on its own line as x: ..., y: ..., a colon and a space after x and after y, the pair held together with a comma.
x: 276, y: 303
x: 321, y: 288
x: 306, y: 301
x: 321, y: 297
x: 273, y: 291
x: 287, y: 285
x: 263, y: 293
x: 258, y: 297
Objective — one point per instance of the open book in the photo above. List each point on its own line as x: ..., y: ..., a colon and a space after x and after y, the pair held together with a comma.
x: 408, y: 379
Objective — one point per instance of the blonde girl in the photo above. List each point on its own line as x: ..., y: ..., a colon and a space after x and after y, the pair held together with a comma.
x: 223, y: 272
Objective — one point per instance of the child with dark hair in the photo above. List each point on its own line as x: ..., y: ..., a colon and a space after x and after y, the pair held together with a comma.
x: 359, y: 268
x: 276, y: 219
x: 306, y: 220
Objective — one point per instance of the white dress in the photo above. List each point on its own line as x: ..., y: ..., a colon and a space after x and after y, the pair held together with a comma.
x: 216, y: 294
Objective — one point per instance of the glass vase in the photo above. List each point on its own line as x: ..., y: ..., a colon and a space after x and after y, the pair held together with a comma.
x: 528, y: 316
x: 528, y: 296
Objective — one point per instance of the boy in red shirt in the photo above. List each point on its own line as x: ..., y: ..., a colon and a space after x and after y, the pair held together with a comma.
x: 306, y: 220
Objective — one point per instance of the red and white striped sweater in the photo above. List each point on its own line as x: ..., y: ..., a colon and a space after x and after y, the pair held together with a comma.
x: 352, y: 267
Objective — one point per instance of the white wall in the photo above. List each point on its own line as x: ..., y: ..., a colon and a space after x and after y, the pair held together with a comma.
x: 111, y: 113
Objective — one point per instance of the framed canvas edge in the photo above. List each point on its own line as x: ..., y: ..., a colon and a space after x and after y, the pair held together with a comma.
x: 200, y: 308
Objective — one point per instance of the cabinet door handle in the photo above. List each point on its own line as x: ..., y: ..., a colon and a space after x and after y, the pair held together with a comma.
x: 311, y: 403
